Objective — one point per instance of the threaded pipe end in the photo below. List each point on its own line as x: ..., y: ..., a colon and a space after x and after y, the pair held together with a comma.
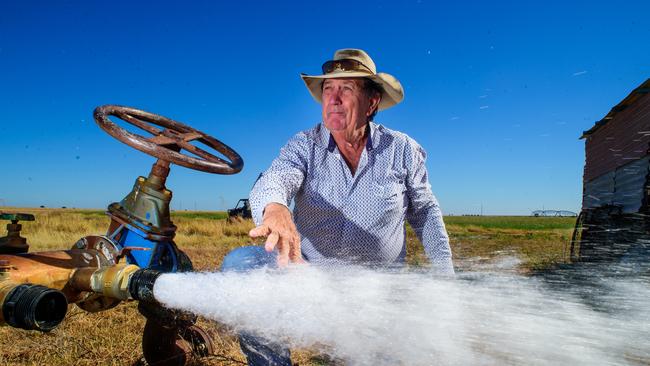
x: 34, y: 307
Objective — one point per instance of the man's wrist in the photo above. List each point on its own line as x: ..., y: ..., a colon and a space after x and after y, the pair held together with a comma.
x: 273, y: 207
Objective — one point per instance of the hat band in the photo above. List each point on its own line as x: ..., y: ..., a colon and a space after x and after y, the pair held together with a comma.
x: 346, y: 64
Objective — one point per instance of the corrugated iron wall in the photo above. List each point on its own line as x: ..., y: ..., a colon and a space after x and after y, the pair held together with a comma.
x: 629, y: 185
x: 599, y: 192
x: 622, y: 139
x: 624, y: 187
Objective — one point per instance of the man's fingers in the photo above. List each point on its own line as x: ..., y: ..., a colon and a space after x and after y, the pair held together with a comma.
x: 294, y: 253
x: 271, y: 241
x: 281, y: 234
x: 261, y: 230
x: 288, y: 245
x: 283, y: 253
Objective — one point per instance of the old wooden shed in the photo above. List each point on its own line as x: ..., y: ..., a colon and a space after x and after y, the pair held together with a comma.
x: 615, y: 205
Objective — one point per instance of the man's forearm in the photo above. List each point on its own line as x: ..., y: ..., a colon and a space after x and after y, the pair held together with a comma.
x: 267, y: 191
x: 430, y: 229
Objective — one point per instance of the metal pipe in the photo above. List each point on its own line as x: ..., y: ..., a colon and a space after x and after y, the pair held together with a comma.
x: 73, y: 272
x: 170, y: 337
x: 121, y: 281
x: 50, y: 269
x: 110, y: 281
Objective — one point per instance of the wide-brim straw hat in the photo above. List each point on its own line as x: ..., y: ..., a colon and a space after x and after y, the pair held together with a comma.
x: 354, y: 63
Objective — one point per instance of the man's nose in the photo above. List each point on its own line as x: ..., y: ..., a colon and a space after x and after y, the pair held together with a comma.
x: 334, y: 96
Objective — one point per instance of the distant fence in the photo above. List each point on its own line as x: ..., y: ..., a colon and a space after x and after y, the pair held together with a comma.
x: 554, y: 213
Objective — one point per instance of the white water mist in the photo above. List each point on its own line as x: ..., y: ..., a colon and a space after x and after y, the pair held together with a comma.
x: 367, y: 317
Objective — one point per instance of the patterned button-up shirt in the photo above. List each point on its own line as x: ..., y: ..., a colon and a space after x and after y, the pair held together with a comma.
x: 356, y: 218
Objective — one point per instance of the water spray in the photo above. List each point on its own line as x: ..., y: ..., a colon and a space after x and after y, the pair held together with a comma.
x: 367, y: 317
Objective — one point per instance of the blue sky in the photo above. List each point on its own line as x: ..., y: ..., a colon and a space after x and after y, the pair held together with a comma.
x: 497, y: 92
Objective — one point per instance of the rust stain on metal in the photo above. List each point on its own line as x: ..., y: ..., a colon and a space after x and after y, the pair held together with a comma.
x: 173, y: 134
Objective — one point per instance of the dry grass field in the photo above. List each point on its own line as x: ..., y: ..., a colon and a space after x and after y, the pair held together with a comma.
x: 112, y: 337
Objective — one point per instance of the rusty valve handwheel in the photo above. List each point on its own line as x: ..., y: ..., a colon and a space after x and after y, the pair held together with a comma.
x: 166, y: 143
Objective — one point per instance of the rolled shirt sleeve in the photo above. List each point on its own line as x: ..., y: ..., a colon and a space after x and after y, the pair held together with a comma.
x: 424, y: 213
x: 280, y: 182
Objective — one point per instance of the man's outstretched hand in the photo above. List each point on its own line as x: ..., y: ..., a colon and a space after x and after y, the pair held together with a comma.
x: 280, y: 231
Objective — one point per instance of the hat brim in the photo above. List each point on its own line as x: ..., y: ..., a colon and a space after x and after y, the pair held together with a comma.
x: 392, y: 91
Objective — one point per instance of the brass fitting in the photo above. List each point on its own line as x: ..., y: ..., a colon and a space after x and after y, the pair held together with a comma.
x: 110, y: 281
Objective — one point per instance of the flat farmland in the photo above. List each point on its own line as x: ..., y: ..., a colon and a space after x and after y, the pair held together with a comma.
x: 519, y: 244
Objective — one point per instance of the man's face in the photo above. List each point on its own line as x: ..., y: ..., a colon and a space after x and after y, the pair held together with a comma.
x: 346, y: 105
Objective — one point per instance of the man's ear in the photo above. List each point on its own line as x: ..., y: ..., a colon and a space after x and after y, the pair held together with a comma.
x: 374, y: 104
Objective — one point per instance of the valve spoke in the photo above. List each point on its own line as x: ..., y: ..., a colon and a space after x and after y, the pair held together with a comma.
x: 191, y: 136
x: 163, y: 140
x: 198, y: 151
x: 143, y: 125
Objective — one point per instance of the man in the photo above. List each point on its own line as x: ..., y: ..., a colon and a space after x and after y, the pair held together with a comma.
x: 353, y: 182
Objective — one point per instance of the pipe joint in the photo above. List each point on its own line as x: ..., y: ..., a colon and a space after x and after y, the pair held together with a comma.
x: 141, y: 285
x: 112, y: 281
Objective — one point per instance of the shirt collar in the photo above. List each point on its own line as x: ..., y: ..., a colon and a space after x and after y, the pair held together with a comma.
x: 327, y: 140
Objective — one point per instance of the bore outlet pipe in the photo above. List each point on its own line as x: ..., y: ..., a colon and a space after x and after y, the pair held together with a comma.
x: 32, y: 307
x: 121, y: 281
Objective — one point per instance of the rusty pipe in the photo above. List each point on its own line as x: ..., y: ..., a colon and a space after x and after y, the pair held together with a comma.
x: 170, y: 337
x: 78, y: 271
x: 51, y: 269
x: 35, y: 288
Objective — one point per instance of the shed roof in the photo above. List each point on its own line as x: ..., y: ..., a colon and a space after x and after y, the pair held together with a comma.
x: 637, y: 93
